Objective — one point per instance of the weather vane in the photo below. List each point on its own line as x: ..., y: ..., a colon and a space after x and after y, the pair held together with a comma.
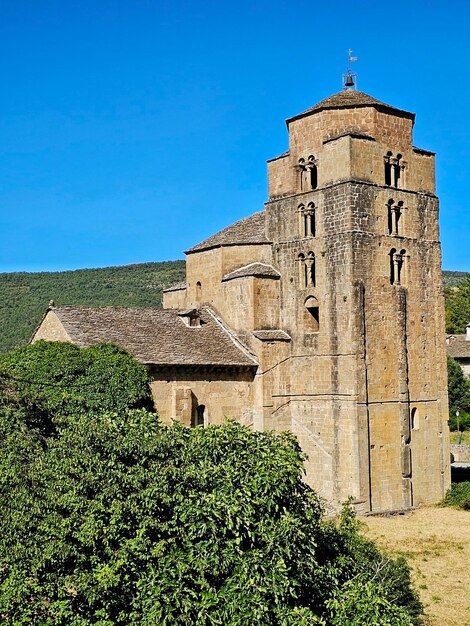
x: 350, y: 78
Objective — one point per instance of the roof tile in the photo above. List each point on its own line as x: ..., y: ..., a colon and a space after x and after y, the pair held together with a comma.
x: 458, y: 347
x: 350, y: 98
x: 156, y: 336
x: 249, y: 230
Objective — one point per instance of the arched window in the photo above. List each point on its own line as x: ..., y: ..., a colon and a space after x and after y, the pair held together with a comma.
x: 393, y: 168
x: 312, y: 314
x: 394, y: 216
x: 414, y: 419
x: 397, y: 263
x: 309, y: 220
x: 313, y: 173
x: 198, y: 290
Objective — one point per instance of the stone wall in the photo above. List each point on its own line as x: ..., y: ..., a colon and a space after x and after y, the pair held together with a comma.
x: 51, y: 329
x: 225, y: 393
x: 460, y: 453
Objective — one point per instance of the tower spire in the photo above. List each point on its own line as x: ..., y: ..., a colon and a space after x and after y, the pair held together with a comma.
x: 350, y: 78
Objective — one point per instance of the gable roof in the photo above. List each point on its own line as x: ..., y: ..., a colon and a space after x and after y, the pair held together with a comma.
x: 458, y: 347
x: 350, y: 98
x: 176, y: 286
x: 260, y: 270
x: 156, y: 336
x: 249, y: 230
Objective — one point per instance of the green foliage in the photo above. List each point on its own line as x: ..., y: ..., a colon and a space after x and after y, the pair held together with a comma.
x: 110, y: 518
x: 452, y: 278
x: 361, y: 602
x: 461, y: 424
x: 24, y: 297
x: 389, y: 579
x: 121, y: 520
x: 458, y: 307
x: 459, y: 392
x: 57, y: 379
x: 459, y: 496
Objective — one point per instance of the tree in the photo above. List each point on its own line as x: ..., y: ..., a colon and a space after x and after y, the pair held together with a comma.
x: 458, y: 307
x: 459, y: 395
x: 61, y: 379
x: 110, y: 518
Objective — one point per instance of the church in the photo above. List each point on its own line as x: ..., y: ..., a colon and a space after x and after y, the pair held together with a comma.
x: 322, y: 314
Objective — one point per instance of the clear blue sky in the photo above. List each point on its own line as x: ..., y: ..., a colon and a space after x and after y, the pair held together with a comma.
x: 132, y: 129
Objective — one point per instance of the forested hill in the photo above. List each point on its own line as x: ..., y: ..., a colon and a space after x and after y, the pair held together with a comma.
x: 24, y: 296
x: 453, y: 279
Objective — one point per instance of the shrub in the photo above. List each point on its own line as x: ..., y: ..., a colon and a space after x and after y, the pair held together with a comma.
x: 110, y: 518
x: 60, y: 379
x: 121, y: 520
x: 458, y: 496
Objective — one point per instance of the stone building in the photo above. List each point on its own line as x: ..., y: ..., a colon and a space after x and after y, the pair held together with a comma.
x: 458, y: 347
x: 328, y: 307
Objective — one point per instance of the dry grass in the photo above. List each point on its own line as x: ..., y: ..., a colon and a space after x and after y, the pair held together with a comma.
x: 436, y: 544
x: 464, y: 437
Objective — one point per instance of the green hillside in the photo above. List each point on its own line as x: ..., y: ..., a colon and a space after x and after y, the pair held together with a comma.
x: 25, y: 296
x: 453, y: 279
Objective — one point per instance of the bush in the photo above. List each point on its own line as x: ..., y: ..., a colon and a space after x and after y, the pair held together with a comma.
x: 110, y: 518
x: 120, y: 520
x: 59, y: 379
x: 458, y: 496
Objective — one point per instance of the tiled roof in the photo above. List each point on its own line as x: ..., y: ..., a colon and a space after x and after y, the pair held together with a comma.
x: 260, y: 270
x: 458, y: 347
x: 271, y: 335
x: 155, y: 336
x: 281, y: 156
x: 176, y: 287
x: 249, y: 230
x: 350, y: 98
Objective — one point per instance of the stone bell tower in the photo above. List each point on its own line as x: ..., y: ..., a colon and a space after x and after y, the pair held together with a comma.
x: 353, y: 220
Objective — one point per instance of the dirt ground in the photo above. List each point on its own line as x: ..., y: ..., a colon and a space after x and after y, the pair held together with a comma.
x: 436, y: 544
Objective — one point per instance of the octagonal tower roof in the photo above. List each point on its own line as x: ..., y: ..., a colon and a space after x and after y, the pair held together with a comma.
x: 351, y: 99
